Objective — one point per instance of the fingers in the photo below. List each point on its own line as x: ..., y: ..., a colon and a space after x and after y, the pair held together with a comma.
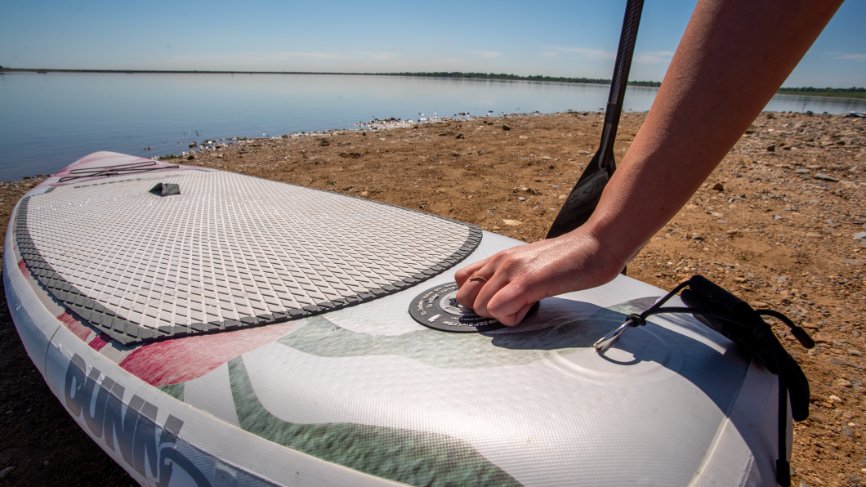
x: 515, y: 318
x: 470, y: 281
x: 508, y: 304
x: 485, y: 288
x: 462, y: 275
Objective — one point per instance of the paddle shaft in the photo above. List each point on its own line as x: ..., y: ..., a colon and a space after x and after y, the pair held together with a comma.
x: 586, y: 193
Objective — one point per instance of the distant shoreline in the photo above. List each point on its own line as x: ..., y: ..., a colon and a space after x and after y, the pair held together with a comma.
x: 853, y: 92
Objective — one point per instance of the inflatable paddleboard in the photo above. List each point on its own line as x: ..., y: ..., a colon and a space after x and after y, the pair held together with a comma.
x: 210, y: 328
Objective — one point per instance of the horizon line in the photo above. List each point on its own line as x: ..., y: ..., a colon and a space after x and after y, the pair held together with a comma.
x: 465, y: 74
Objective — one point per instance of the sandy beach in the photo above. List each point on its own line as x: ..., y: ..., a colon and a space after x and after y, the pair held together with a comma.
x: 780, y: 223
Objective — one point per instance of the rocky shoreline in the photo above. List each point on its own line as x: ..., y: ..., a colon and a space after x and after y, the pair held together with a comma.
x: 781, y: 222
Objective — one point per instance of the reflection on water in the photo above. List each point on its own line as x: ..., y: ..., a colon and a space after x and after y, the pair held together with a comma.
x: 802, y: 104
x: 49, y: 120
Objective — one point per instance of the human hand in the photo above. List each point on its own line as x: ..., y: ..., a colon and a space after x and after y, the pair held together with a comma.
x: 505, y: 285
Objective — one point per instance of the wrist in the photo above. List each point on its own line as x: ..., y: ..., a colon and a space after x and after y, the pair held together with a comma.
x: 587, y: 259
x: 616, y: 243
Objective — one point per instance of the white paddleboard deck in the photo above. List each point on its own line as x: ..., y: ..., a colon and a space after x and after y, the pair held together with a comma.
x: 250, y: 332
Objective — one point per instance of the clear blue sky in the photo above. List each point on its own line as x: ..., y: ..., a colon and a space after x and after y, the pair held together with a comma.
x: 556, y: 38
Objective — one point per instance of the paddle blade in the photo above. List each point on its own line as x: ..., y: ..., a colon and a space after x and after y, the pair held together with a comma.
x: 582, y: 201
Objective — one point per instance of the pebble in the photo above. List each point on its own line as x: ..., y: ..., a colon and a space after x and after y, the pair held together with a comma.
x: 512, y: 223
x: 860, y: 237
x: 825, y: 177
x: 506, y: 127
x: 718, y: 187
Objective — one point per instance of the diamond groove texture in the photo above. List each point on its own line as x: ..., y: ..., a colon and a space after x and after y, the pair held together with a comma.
x: 230, y: 251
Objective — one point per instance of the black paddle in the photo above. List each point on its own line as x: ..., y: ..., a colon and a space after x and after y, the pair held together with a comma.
x: 584, y: 197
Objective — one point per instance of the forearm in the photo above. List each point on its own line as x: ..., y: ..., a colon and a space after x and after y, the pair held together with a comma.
x: 733, y: 57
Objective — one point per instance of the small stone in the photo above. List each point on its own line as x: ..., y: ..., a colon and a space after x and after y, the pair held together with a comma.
x: 506, y: 127
x: 365, y: 193
x: 512, y: 223
x: 459, y: 136
x: 521, y: 198
x: 860, y: 237
x: 825, y: 177
x: 840, y: 382
x: 802, y: 171
x: 562, y: 197
x: 813, y: 235
x: 855, y: 352
x: 732, y: 232
x: 697, y: 236
x: 718, y: 187
x: 834, y: 398
x: 771, y: 148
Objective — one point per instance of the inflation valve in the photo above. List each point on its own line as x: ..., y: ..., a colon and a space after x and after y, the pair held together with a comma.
x: 438, y: 308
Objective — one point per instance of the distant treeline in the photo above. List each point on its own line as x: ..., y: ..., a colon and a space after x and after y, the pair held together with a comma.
x: 853, y: 92
x: 506, y: 76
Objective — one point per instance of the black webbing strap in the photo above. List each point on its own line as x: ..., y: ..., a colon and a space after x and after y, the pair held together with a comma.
x: 734, y: 318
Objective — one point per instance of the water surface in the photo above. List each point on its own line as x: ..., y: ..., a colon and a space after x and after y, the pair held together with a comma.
x: 50, y: 120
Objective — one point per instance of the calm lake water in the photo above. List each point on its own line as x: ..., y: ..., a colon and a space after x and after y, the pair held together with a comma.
x: 50, y: 120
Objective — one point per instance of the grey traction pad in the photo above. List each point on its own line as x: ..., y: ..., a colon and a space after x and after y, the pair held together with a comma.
x: 230, y: 251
